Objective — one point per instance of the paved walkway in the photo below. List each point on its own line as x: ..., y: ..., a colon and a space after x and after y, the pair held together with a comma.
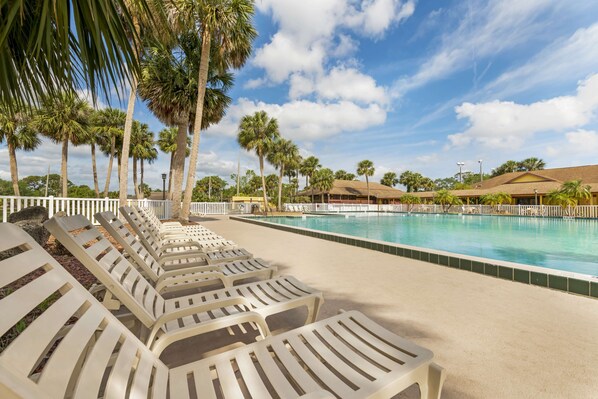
x: 496, y: 339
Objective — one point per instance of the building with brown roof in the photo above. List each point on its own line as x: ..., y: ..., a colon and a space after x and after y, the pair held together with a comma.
x: 355, y: 192
x: 528, y: 188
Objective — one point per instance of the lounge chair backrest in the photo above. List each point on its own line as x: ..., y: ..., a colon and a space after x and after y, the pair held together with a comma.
x: 109, y: 266
x: 71, y: 346
x: 148, y: 216
x: 130, y: 243
x: 149, y: 240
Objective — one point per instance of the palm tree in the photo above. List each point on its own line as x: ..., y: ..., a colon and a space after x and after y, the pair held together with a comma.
x: 507, y: 167
x: 142, y: 148
x: 64, y: 118
x: 389, y: 179
x: 258, y: 132
x: 411, y: 200
x: 15, y: 130
x: 308, y: 167
x: 48, y: 47
x: 227, y: 26
x: 411, y: 180
x: 366, y: 168
x: 343, y: 175
x: 575, y: 189
x: 109, y: 124
x: 169, y: 86
x: 446, y: 199
x: 530, y: 164
x: 323, y: 180
x: 562, y: 198
x: 495, y: 199
x: 283, y: 153
x: 167, y: 139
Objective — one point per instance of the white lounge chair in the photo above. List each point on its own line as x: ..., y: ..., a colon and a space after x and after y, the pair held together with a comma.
x: 165, y: 321
x: 75, y: 348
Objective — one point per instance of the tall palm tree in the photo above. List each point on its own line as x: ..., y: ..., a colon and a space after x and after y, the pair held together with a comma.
x: 167, y: 139
x: 389, y: 179
x: 258, y: 133
x: 109, y: 124
x: 308, y: 167
x: 530, y: 164
x: 343, y: 175
x: 169, y: 87
x: 64, y: 118
x: 142, y: 147
x: 282, y: 154
x: 323, y: 180
x: 227, y: 26
x: 48, y: 47
x: 366, y: 168
x: 15, y: 130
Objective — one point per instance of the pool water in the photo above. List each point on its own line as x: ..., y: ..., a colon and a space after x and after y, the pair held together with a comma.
x: 569, y: 245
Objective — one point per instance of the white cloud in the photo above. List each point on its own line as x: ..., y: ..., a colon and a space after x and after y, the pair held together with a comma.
x: 376, y: 16
x: 305, y: 120
x: 508, y: 124
x: 484, y: 31
x: 583, y: 140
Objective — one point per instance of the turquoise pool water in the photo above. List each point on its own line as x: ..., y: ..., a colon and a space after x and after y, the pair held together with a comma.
x: 569, y: 245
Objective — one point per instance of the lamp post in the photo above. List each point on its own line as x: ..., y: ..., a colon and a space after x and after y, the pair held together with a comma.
x: 481, y: 175
x: 460, y: 164
x: 163, y: 186
x: 535, y: 197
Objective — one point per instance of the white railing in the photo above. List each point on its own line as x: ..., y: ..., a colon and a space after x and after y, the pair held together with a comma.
x: 90, y: 206
x: 581, y: 211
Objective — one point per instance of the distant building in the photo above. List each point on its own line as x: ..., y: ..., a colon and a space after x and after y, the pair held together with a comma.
x: 355, y: 192
x: 527, y: 187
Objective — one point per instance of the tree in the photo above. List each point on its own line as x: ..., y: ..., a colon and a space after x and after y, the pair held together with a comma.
x: 410, y: 200
x: 169, y: 86
x: 258, y: 133
x: 366, y: 168
x: 64, y: 118
x: 283, y: 152
x: 308, y: 167
x: 561, y: 198
x: 576, y: 190
x: 15, y: 130
x: 209, y: 188
x: 323, y: 180
x: 411, y: 180
x: 109, y: 123
x: 447, y: 183
x: 48, y: 47
x: 226, y: 25
x: 343, y: 175
x: 507, y: 167
x: 389, y: 179
x: 496, y: 199
x: 446, y: 199
x: 142, y: 149
x: 530, y: 164
x: 167, y: 141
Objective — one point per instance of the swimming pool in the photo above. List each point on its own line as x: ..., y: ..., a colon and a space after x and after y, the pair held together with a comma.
x: 569, y: 245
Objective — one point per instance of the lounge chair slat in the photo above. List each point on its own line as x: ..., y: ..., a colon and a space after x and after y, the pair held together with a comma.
x: 252, y: 379
x: 305, y: 381
x: 160, y: 388
x: 228, y: 379
x: 140, y: 385
x: 203, y: 383
x: 275, y: 376
x: 121, y: 371
x: 19, y: 266
x: 88, y: 235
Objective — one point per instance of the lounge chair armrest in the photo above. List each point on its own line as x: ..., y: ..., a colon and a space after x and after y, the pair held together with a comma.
x: 179, y: 244
x: 165, y: 283
x: 192, y: 254
x: 188, y: 270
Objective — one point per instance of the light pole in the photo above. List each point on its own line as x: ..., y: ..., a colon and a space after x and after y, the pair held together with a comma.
x: 163, y: 186
x: 535, y: 197
x: 460, y: 164
x: 481, y: 175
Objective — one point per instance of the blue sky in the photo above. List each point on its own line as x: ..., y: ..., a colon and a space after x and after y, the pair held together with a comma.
x: 410, y: 85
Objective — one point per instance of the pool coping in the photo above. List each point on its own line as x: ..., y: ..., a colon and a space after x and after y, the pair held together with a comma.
x: 570, y: 282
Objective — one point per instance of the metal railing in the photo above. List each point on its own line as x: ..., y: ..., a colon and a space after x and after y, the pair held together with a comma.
x: 90, y: 206
x: 580, y: 211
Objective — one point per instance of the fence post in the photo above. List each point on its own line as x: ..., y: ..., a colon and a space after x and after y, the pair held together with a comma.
x: 50, y: 206
x: 4, y: 210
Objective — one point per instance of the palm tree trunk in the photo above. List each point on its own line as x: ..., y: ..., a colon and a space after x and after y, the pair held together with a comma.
x: 170, y: 175
x: 204, y: 64
x: 263, y: 184
x: 280, y: 187
x: 124, y: 157
x: 110, y: 161
x: 179, y: 167
x: 14, y: 174
x: 94, y: 170
x: 135, y: 177
x: 141, y: 192
x: 63, y: 171
x: 367, y: 183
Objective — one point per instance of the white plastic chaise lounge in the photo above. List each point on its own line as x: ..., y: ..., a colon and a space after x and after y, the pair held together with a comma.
x: 165, y: 321
x: 170, y: 255
x: 75, y: 348
x: 170, y: 242
x: 228, y: 273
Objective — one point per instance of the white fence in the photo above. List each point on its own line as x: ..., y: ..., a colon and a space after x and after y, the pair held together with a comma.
x: 583, y: 211
x: 90, y: 206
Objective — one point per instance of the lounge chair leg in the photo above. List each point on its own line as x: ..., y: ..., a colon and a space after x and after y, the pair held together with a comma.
x: 436, y: 377
x: 312, y: 311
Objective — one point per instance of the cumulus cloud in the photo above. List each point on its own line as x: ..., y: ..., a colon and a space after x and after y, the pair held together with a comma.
x: 485, y: 30
x: 305, y: 120
x: 508, y: 124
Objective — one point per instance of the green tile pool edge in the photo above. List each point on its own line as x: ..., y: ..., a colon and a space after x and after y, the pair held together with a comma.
x: 547, y: 280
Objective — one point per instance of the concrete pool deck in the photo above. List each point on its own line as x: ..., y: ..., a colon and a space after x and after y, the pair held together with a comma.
x: 496, y: 339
